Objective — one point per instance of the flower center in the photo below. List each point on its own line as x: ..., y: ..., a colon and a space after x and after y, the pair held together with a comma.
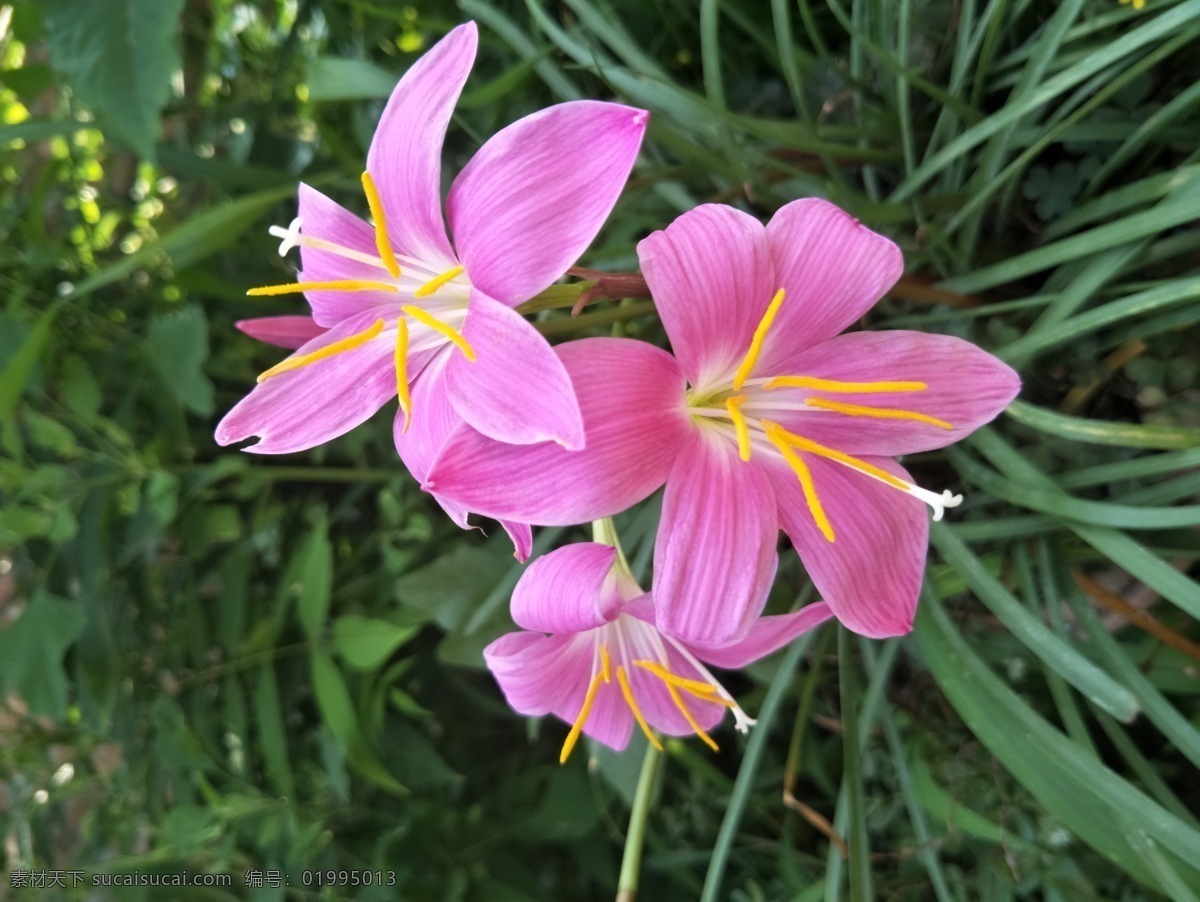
x: 444, y: 293
x: 745, y: 408
x: 637, y: 644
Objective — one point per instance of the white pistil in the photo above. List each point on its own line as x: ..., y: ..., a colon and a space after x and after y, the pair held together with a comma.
x: 293, y: 237
x: 939, y: 503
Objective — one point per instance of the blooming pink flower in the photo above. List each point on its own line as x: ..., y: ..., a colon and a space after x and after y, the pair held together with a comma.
x: 766, y: 418
x: 606, y: 664
x: 406, y: 314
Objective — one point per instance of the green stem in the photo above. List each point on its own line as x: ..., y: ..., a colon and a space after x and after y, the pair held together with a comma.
x: 860, y: 855
x: 635, y: 837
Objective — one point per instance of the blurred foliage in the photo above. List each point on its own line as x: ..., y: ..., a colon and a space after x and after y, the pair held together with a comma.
x: 218, y: 662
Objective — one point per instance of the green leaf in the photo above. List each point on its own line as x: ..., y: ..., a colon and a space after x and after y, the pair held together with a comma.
x: 32, y: 650
x: 1103, y: 432
x: 366, y: 642
x: 340, y: 716
x: 119, y: 58
x: 312, y: 572
x: 1091, y: 800
x: 178, y: 345
x: 1073, y: 667
x: 15, y: 377
x: 272, y: 738
x: 334, y: 78
x: 198, y: 238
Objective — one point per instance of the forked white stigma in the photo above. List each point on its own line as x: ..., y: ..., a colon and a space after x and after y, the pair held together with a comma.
x: 290, y: 235
x: 938, y: 503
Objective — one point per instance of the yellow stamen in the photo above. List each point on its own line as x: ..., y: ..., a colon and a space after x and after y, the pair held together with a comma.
x: 633, y: 706
x: 803, y: 444
x: 438, y: 326
x: 703, y: 690
x: 848, y: 388
x: 883, y: 413
x: 381, y: 235
x: 687, y: 715
x: 809, y: 487
x: 605, y: 664
x: 339, y: 285
x: 345, y: 344
x: 756, y: 343
x: 739, y: 423
x: 402, y: 371
x: 577, y: 727
x: 437, y: 282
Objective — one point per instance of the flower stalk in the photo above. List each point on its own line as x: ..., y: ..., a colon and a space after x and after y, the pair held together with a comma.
x: 635, y: 837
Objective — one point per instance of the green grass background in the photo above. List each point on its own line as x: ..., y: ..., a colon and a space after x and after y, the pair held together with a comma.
x: 218, y: 662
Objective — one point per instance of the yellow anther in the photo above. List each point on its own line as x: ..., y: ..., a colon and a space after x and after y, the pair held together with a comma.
x: 803, y: 444
x: 809, y: 487
x: 381, y: 236
x: 437, y: 282
x: 605, y: 664
x: 633, y: 706
x: 338, y: 285
x: 739, y: 423
x: 882, y: 413
x: 707, y: 691
x: 848, y: 388
x: 687, y: 715
x: 438, y: 326
x: 402, y: 371
x: 756, y: 343
x: 345, y: 344
x: 577, y: 727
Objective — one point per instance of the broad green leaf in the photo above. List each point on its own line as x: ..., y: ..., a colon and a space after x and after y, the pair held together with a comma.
x: 32, y: 650
x: 119, y: 58
x: 366, y: 642
x: 177, y: 343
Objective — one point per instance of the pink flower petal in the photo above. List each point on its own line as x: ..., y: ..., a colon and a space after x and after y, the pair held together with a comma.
x: 560, y: 592
x: 832, y: 270
x: 714, y: 559
x: 433, y: 419
x: 535, y: 195
x: 965, y: 387
x: 871, y: 573
x: 281, y: 331
x: 634, y: 418
x: 329, y: 221
x: 711, y: 276
x: 405, y: 158
x: 304, y: 407
x: 539, y: 674
x: 516, y: 390
x: 521, y: 535
x: 767, y: 635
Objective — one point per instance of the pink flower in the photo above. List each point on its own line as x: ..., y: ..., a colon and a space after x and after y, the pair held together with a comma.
x: 404, y: 313
x: 766, y: 418
x: 606, y: 665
